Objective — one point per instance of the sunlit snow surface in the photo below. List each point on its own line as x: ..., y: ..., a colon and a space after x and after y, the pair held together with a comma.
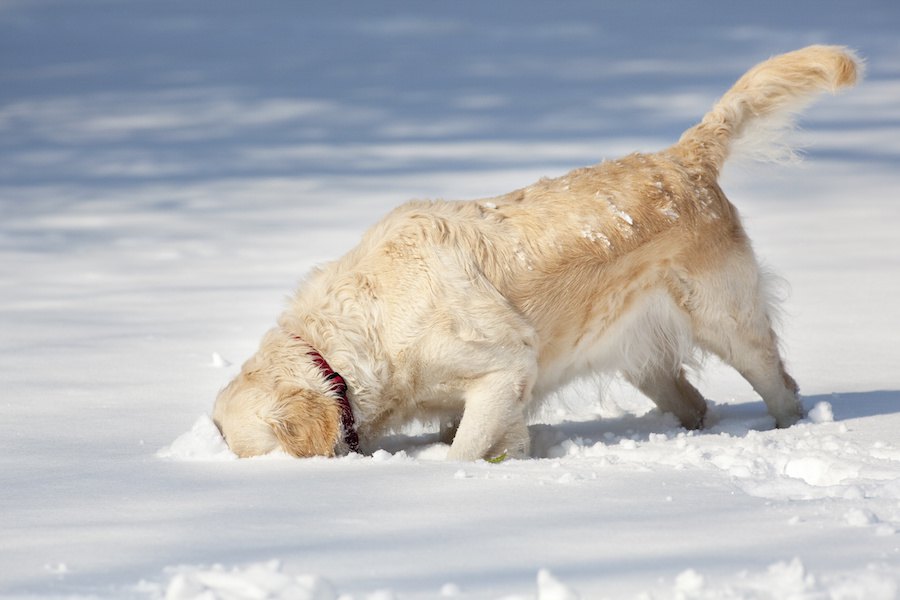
x: 169, y: 171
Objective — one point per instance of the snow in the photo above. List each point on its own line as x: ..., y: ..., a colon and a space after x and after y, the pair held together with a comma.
x: 592, y: 235
x: 258, y: 581
x: 551, y: 588
x: 821, y: 413
x: 202, y: 442
x: 219, y: 362
x: 169, y: 172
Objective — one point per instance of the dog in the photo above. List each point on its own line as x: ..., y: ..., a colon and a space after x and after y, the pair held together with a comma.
x: 473, y: 311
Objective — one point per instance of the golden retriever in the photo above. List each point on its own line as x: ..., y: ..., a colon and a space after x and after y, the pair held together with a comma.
x: 477, y: 310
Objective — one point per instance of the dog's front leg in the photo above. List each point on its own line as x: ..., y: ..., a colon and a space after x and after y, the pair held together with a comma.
x: 493, y: 422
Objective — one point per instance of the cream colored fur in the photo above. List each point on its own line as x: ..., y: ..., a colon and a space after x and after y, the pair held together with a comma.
x: 477, y: 310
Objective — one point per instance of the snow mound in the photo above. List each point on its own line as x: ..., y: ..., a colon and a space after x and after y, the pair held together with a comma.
x: 268, y: 581
x: 860, y: 517
x: 202, y: 442
x: 252, y: 582
x: 789, y: 579
x: 551, y: 588
x: 689, y: 583
x: 811, y: 460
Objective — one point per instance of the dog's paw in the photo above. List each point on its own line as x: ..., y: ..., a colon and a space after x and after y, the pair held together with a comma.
x: 788, y: 419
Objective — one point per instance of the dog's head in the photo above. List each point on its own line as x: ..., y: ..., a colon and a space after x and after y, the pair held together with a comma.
x: 279, y: 401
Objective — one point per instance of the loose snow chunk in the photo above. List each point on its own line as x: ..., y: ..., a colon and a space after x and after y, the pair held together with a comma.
x: 817, y: 471
x: 382, y: 456
x: 821, y: 413
x: 670, y: 212
x: 218, y: 361
x: 860, y: 517
x: 202, y: 442
x: 551, y: 588
x: 595, y: 236
x: 57, y: 569
x: 616, y: 210
x: 450, y: 590
x: 568, y: 478
x: 689, y: 582
x: 790, y: 578
x: 624, y: 216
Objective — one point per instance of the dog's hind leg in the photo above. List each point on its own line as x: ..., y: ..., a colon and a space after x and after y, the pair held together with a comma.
x: 754, y: 354
x: 653, y: 347
x: 672, y: 393
x: 732, y: 319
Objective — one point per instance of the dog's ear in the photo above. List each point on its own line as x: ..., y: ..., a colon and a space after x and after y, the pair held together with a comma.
x: 306, y: 424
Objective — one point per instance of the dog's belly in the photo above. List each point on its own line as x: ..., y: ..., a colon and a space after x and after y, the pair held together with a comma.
x: 652, y: 333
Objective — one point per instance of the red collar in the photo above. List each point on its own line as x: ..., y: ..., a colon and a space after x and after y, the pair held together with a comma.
x: 339, y: 387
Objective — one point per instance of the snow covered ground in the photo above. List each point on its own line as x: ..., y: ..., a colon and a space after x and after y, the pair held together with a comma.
x: 170, y: 170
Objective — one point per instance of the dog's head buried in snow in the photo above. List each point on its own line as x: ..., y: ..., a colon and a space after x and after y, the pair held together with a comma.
x: 472, y: 312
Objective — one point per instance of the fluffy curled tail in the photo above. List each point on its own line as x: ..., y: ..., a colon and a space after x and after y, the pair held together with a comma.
x: 760, y: 105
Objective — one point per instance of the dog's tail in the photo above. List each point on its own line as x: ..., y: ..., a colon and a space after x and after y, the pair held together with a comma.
x: 760, y: 105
